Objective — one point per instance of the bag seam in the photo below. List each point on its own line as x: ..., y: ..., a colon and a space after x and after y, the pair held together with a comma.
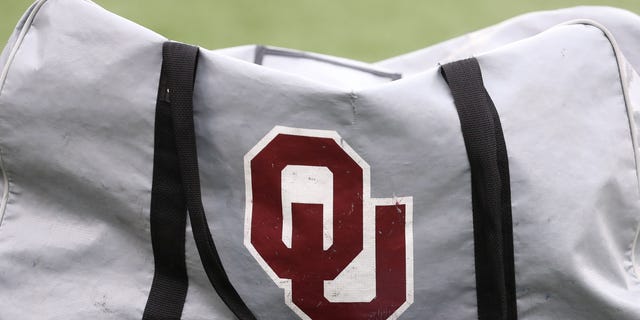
x: 18, y: 43
x: 622, y: 73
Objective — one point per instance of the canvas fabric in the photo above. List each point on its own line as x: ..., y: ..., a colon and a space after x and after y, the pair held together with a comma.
x: 78, y: 99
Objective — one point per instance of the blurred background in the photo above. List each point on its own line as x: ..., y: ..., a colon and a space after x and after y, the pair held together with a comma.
x: 368, y: 30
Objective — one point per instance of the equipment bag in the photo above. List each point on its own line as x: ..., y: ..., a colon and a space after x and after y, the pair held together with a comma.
x: 149, y: 179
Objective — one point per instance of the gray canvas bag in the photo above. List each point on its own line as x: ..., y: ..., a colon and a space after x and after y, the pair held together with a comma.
x: 501, y: 186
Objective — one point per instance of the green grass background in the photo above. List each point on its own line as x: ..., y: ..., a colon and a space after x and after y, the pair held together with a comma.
x: 367, y: 30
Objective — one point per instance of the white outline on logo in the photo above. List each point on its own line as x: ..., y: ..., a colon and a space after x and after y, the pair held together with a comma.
x: 368, y: 204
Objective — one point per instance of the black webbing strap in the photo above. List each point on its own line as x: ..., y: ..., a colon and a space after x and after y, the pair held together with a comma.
x: 168, y: 218
x: 507, y: 224
x: 176, y: 90
x: 491, y: 195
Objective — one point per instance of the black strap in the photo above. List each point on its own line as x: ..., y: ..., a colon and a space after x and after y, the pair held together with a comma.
x: 168, y: 218
x: 491, y: 195
x: 507, y: 224
x: 178, y: 71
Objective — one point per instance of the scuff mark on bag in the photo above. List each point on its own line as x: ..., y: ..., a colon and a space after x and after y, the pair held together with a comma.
x: 352, y: 100
x: 102, y: 305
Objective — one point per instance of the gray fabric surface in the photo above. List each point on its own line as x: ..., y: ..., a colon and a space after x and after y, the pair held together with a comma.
x: 76, y: 136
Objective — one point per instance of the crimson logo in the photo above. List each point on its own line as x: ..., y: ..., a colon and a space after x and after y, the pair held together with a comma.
x: 312, y: 225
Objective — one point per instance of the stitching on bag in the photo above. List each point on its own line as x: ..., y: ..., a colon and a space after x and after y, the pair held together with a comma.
x: 262, y: 51
x: 634, y: 265
x: 4, y: 72
x: 18, y: 43
x: 622, y: 72
x: 5, y: 190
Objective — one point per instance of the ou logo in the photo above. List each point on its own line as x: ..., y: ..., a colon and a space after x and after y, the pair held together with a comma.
x: 313, y: 227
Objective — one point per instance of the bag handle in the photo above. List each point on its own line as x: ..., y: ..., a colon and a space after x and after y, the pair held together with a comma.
x: 175, y: 94
x: 491, y: 192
